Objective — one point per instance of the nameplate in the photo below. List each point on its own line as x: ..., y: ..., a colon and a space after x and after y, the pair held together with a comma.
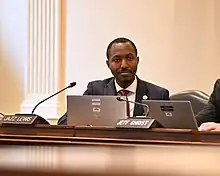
x: 18, y: 119
x: 135, y: 123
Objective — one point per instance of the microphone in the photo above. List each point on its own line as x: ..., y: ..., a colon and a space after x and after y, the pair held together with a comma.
x: 72, y: 84
x: 30, y: 119
x: 145, y: 107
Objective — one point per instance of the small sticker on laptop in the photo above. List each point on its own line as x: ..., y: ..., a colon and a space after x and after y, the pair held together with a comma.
x: 96, y: 109
x: 96, y: 104
x: 96, y: 99
x: 168, y: 114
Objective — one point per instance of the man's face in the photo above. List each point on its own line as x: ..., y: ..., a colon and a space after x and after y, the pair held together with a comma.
x: 123, y: 63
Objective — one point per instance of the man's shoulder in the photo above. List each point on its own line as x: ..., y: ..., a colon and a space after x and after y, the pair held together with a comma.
x: 216, y: 86
x: 216, y: 90
x: 150, y: 85
x: 217, y: 83
x: 100, y: 82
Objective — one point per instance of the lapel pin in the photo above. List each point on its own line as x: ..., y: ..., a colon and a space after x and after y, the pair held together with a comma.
x: 145, y: 97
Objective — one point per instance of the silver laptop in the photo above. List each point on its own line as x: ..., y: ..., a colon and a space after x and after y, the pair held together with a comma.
x: 172, y: 114
x: 90, y: 110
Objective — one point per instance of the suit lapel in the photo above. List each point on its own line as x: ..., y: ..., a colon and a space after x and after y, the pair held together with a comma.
x: 140, y: 92
x: 110, y: 88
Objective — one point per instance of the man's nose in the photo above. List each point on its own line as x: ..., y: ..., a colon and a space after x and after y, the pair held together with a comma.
x: 124, y: 63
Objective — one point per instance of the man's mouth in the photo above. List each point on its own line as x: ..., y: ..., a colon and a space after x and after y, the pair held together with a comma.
x: 125, y: 73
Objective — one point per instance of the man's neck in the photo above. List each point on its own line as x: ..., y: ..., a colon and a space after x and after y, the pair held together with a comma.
x: 124, y: 85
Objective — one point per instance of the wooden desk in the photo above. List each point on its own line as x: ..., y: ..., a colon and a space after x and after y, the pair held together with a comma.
x: 44, y: 134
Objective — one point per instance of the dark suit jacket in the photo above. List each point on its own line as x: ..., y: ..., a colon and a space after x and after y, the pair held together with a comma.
x: 107, y: 87
x: 211, y: 112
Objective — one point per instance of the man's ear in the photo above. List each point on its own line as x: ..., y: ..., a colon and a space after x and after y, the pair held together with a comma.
x: 107, y: 63
x: 137, y: 59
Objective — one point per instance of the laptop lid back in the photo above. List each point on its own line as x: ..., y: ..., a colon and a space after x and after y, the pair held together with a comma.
x: 172, y: 114
x: 90, y: 110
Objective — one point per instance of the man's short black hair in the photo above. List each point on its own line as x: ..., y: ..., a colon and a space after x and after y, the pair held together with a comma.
x: 120, y: 40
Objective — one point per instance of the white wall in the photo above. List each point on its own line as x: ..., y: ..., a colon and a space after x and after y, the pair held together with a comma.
x: 13, y: 52
x: 176, y: 40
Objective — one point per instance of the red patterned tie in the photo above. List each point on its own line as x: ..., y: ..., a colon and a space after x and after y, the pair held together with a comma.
x: 125, y: 93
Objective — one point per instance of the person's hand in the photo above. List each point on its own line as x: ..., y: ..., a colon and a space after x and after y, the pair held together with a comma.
x: 210, y: 126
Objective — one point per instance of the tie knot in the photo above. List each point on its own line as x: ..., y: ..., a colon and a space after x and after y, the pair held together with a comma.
x: 124, y: 92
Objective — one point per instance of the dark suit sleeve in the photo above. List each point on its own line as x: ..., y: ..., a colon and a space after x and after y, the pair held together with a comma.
x: 89, y: 90
x: 209, y: 113
x: 62, y: 120
x: 166, y: 95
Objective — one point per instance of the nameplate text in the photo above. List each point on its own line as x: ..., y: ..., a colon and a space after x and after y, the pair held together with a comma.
x: 134, y: 123
x: 18, y: 119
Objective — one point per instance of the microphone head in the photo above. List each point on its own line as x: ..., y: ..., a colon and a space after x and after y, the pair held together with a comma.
x: 72, y: 84
x: 121, y: 98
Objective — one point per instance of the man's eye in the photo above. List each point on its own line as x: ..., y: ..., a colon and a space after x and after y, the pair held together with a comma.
x: 116, y: 60
x: 130, y: 57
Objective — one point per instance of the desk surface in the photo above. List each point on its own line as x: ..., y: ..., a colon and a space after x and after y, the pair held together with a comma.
x: 41, y: 134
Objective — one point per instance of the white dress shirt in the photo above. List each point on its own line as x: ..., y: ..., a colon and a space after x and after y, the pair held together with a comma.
x: 132, y: 94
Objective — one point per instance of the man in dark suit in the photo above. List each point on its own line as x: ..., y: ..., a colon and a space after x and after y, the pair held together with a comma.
x: 122, y: 60
x: 209, y: 117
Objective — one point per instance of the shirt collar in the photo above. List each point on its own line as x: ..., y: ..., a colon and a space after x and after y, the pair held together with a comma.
x: 132, y: 88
